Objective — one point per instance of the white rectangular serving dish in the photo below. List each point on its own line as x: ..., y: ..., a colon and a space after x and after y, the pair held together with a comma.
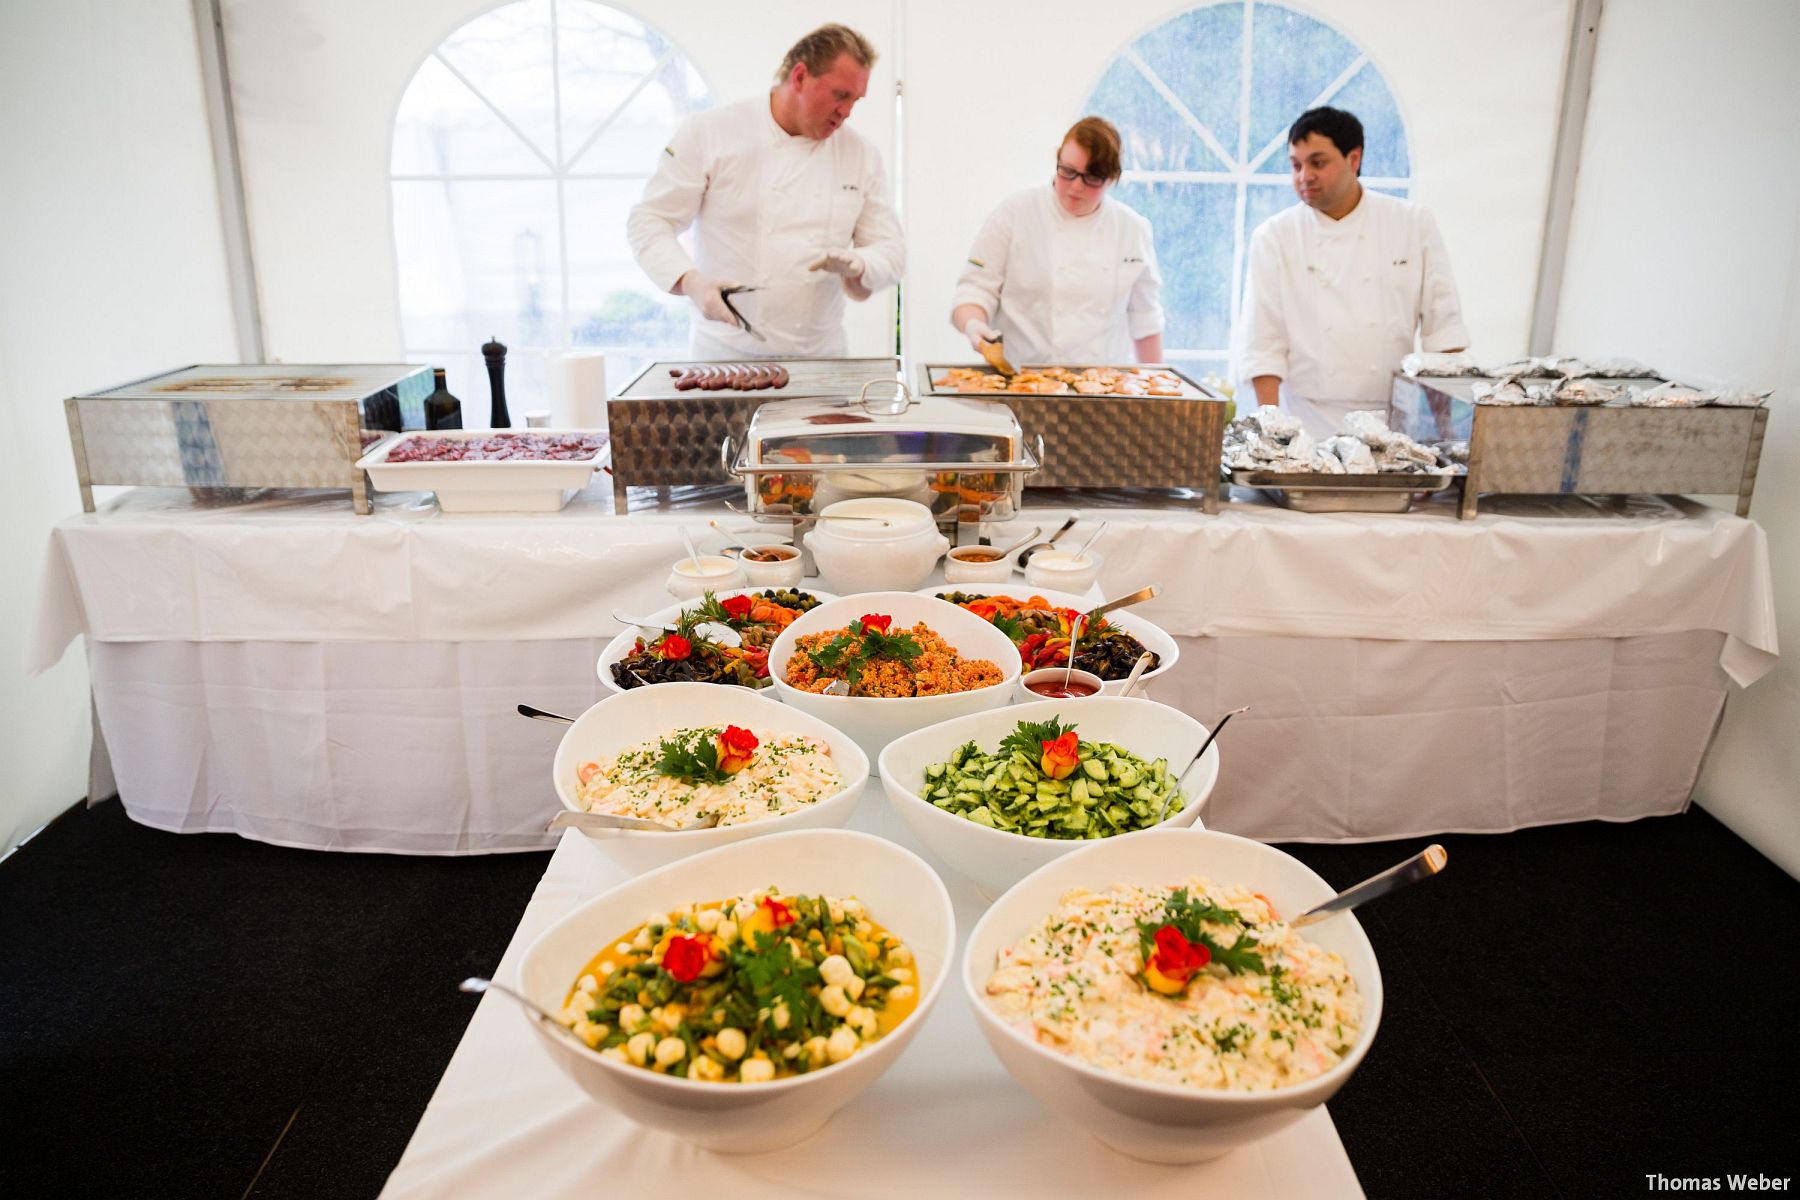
x: 541, y: 485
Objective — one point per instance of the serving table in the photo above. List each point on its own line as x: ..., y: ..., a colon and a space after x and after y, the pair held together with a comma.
x: 288, y: 671
x: 946, y: 1120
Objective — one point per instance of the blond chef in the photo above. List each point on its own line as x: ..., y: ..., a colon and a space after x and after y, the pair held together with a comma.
x: 1340, y: 285
x: 782, y: 198
x: 1066, y: 273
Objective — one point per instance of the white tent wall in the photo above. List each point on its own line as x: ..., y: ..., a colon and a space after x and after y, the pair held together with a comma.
x: 1684, y: 251
x: 113, y: 268
x: 990, y: 89
x: 316, y: 87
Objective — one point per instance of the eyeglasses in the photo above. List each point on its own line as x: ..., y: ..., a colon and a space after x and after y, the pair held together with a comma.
x: 1070, y: 175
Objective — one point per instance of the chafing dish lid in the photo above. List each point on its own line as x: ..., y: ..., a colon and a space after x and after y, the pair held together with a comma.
x: 938, y: 432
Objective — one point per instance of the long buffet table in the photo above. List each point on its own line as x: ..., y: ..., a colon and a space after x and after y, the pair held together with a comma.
x: 286, y: 670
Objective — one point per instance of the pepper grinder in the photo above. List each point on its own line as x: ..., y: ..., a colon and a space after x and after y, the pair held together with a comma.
x: 495, y: 353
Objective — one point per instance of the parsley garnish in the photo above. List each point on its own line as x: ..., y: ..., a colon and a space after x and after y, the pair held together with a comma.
x: 1030, y: 736
x: 1012, y: 627
x: 853, y: 653
x: 776, y: 975
x: 1186, y: 913
x: 692, y: 755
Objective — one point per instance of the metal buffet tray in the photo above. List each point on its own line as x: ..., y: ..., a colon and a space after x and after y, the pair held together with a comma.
x: 1190, y: 390
x: 1114, y: 441
x: 662, y: 437
x: 1310, y: 491
x: 1606, y: 449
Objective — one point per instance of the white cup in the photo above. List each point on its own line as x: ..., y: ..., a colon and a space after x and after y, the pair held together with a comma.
x: 1063, y: 570
x: 691, y: 578
x: 1079, y: 682
x: 783, y: 572
x: 961, y: 569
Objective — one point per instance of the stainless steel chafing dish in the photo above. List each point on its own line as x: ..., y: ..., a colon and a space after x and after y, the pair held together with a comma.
x: 964, y: 459
x: 243, y: 426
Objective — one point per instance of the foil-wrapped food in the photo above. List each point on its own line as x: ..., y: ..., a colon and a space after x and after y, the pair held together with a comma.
x: 1268, y: 439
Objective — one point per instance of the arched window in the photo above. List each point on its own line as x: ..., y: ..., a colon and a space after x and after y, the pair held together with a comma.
x: 519, y: 147
x: 1203, y: 103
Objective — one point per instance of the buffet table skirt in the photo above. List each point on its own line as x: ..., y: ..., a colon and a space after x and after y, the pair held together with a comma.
x: 291, y: 672
x: 946, y: 1120
x: 416, y: 747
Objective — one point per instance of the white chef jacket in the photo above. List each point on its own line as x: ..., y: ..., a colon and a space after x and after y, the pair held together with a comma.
x: 1064, y: 289
x: 765, y: 204
x: 1333, y: 306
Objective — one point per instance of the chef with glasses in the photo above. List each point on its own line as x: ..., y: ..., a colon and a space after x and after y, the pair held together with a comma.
x: 1065, y: 274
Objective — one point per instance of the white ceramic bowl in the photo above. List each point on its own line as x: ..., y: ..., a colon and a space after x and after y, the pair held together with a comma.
x: 875, y: 721
x: 1167, y: 649
x: 996, y: 859
x: 643, y: 713
x: 1152, y: 1121
x: 1023, y: 693
x: 958, y: 569
x: 621, y: 644
x: 865, y: 556
x: 1064, y: 569
x: 784, y: 574
x: 901, y: 892
x: 691, y: 578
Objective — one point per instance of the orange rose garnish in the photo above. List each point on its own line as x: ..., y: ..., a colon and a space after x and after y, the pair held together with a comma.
x: 736, y: 746
x: 1175, y: 961
x: 1059, y: 759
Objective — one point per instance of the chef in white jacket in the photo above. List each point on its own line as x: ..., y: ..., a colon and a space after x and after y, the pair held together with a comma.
x: 782, y: 198
x: 1066, y: 273
x: 1340, y: 285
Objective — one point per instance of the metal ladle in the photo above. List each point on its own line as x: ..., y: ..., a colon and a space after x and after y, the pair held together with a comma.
x: 479, y: 986
x: 1025, y: 555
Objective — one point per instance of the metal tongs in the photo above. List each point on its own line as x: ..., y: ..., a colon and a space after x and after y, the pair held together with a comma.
x: 725, y: 295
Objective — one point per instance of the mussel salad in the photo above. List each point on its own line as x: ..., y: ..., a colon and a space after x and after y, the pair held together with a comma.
x: 686, y: 656
x: 747, y: 989
x: 1041, y: 632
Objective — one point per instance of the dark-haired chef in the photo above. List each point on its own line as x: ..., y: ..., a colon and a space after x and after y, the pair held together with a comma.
x: 1340, y: 285
x: 789, y: 210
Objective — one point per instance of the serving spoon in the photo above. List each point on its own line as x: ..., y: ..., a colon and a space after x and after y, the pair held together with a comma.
x: 1067, y: 525
x: 730, y: 537
x: 1198, y: 755
x: 1137, y: 597
x: 1137, y: 673
x: 479, y: 986
x: 539, y: 714
x: 1423, y: 865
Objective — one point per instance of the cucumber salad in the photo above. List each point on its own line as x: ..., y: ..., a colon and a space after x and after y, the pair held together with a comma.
x: 1044, y: 781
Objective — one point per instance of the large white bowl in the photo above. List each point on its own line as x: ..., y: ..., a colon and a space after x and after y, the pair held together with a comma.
x: 1153, y: 1121
x: 901, y: 892
x: 621, y: 645
x: 643, y: 713
x: 875, y: 721
x: 1167, y: 649
x: 995, y: 858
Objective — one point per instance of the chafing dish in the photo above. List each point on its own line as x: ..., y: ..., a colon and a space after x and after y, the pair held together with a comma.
x: 251, y: 425
x: 1606, y: 449
x: 966, y: 460
x: 663, y: 435
x: 1116, y: 441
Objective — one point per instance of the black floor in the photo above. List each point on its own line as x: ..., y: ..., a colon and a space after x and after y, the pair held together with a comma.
x: 1569, y: 1011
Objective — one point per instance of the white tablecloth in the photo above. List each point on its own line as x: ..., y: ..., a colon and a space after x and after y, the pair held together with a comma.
x: 301, y: 675
x: 946, y: 1120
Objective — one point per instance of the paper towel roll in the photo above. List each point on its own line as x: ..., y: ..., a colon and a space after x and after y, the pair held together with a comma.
x: 578, y: 390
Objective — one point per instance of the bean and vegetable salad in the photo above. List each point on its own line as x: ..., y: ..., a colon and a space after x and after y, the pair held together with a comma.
x: 1044, y: 781
x: 685, y: 657
x: 745, y: 990
x: 1041, y: 632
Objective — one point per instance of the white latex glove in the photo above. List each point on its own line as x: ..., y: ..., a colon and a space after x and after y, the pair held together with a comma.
x: 704, y: 291
x: 847, y: 263
x: 978, y: 331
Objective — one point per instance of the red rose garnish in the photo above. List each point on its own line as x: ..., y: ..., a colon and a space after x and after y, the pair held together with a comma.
x: 876, y: 621
x: 737, y: 606
x: 675, y: 647
x: 1175, y: 956
x: 685, y: 957
x: 735, y: 748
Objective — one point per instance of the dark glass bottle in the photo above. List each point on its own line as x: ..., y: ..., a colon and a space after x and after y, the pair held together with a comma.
x: 442, y: 410
x: 495, y: 353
